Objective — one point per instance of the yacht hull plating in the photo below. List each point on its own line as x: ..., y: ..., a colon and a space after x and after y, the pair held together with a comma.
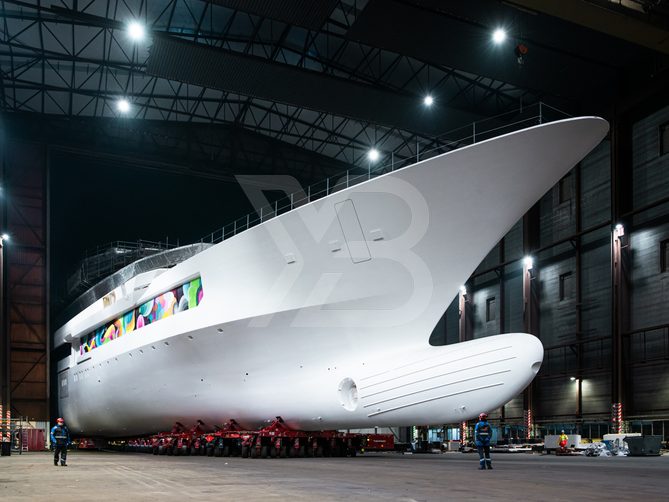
x: 322, y: 315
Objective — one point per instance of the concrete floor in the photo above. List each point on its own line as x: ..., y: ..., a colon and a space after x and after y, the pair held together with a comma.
x: 102, y: 476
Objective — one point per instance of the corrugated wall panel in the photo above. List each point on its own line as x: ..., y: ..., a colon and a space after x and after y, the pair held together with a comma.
x: 649, y: 300
x: 596, y: 186
x: 597, y: 395
x: 647, y: 350
x: 513, y: 280
x: 558, y: 317
x: 486, y: 290
x: 651, y: 182
x: 596, y: 284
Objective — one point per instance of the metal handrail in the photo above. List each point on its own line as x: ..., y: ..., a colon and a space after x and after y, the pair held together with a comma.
x: 96, y: 263
x: 475, y: 133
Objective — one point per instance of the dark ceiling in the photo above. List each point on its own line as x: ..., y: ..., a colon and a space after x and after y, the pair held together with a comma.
x: 330, y: 76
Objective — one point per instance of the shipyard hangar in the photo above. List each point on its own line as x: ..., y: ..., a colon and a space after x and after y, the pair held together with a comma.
x: 335, y: 228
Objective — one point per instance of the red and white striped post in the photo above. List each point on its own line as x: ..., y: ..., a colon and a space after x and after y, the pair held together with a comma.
x: 617, y: 418
x: 528, y: 424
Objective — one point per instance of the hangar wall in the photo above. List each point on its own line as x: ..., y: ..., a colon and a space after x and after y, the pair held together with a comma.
x: 25, y: 320
x: 581, y: 309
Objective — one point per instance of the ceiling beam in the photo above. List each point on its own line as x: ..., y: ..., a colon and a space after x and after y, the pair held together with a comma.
x: 596, y: 16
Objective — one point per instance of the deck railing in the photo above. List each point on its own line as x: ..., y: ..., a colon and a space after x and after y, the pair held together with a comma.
x: 476, y: 132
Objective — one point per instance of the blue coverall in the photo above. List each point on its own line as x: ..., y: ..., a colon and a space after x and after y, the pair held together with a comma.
x: 482, y: 435
x: 60, y: 439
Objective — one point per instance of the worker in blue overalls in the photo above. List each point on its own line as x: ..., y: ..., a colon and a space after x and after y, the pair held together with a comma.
x: 482, y: 435
x: 60, y: 439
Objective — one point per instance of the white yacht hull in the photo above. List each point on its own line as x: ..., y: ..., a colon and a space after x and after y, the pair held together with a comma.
x: 322, y: 315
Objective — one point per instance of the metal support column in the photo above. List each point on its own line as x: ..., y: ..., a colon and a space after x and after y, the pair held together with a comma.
x: 530, y: 301
x: 621, y: 203
x: 4, y: 331
x: 578, y: 276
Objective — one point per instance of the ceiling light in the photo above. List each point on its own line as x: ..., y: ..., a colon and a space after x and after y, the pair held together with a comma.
x: 428, y: 100
x: 136, y: 31
x: 4, y: 237
x: 122, y: 105
x: 528, y: 262
x: 463, y: 290
x: 373, y: 155
x: 498, y: 36
x: 573, y: 379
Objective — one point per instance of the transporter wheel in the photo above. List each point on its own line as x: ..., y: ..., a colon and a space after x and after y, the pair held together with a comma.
x: 210, y: 451
x: 245, y: 451
x: 218, y: 452
x: 226, y: 451
x: 284, y: 451
x: 273, y: 452
x: 169, y: 450
x: 155, y: 450
x: 319, y: 451
x: 193, y: 450
x: 177, y: 451
x: 264, y: 450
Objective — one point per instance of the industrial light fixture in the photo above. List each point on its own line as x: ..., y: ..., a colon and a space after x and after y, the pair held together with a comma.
x: 528, y: 262
x: 463, y: 290
x: 498, y: 36
x: 373, y: 155
x: 136, y: 31
x: 123, y: 105
x: 4, y: 237
x: 572, y: 379
x: 428, y: 100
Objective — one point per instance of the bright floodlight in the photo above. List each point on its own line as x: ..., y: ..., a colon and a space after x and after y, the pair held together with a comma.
x: 136, y: 31
x: 428, y: 100
x: 572, y: 379
x: 373, y: 155
x: 619, y: 227
x: 463, y: 290
x: 528, y: 262
x: 498, y: 36
x: 123, y: 106
x: 4, y: 237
